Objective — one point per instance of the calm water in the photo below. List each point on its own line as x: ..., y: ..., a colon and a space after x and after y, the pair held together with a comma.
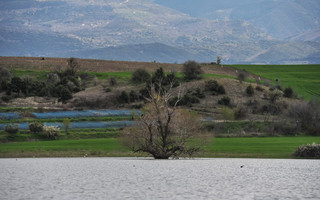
x: 130, y: 178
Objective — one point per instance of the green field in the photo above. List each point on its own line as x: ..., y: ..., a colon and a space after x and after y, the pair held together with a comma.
x: 304, y: 79
x: 252, y: 147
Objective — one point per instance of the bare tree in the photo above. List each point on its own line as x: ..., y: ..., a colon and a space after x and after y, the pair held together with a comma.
x: 162, y: 130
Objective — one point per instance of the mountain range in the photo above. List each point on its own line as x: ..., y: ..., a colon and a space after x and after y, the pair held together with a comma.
x: 247, y: 31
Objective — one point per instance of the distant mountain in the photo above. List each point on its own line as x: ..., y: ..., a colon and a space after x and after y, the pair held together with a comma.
x: 140, y: 52
x: 144, y: 30
x: 281, y: 19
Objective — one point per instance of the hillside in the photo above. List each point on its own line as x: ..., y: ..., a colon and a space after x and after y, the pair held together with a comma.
x: 101, y: 71
x: 252, y: 109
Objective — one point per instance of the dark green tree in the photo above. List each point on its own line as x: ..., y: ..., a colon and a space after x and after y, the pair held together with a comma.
x: 140, y: 76
x: 192, y: 70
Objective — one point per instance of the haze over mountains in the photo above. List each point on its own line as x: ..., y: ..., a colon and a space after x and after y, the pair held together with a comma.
x: 246, y: 31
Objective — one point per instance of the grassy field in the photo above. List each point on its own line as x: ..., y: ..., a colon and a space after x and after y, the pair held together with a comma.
x: 253, y: 147
x: 304, y: 79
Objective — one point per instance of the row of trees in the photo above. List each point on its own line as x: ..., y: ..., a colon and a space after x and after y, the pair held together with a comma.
x: 60, y: 84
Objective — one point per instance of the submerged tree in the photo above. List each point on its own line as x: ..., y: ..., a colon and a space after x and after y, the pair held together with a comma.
x: 162, y: 130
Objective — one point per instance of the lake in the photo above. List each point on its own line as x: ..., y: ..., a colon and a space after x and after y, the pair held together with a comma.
x: 139, y: 178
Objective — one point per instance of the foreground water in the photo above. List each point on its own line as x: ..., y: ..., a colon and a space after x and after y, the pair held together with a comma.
x: 130, y: 178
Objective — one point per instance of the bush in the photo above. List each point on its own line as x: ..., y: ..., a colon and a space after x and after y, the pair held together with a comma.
x: 51, y: 132
x: 215, y: 87
x: 307, y: 117
x: 133, y: 96
x: 198, y: 93
x: 172, y: 79
x: 192, y: 70
x: 240, y: 113
x: 123, y: 97
x: 283, y: 128
x: 159, y: 77
x: 308, y: 151
x: 65, y: 94
x: 226, y: 101
x: 227, y: 113
x: 250, y: 91
x: 113, y: 81
x: 275, y: 95
x: 5, y: 99
x: 288, y: 92
x: 17, y: 85
x: 66, y: 124
x: 187, y: 100
x: 259, y: 88
x: 11, y: 129
x: 62, y: 92
x: 140, y: 76
x: 272, y: 108
x: 242, y: 76
x: 36, y: 127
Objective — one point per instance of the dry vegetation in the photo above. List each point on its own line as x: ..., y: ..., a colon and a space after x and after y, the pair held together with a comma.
x: 87, y: 65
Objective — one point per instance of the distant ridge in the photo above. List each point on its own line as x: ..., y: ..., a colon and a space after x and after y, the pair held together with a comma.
x: 144, y: 30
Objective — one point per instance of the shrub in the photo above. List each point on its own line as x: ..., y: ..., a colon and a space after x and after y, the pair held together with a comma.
x: 17, y: 85
x: 259, y: 88
x: 275, y: 95
x: 221, y: 90
x: 107, y: 90
x: 252, y: 102
x: 11, y: 129
x: 66, y: 124
x: 36, y: 127
x: 250, y: 91
x: 159, y: 77
x: 51, y: 132
x: 140, y: 76
x: 240, y: 113
x: 5, y: 99
x: 227, y: 113
x: 308, y: 151
x: 284, y: 128
x: 123, y: 97
x: 226, y: 101
x: 198, y: 93
x: 272, y: 108
x: 215, y: 87
x: 242, y: 76
x: 288, y: 92
x: 211, y: 85
x: 65, y: 94
x: 113, y: 81
x: 187, y: 100
x: 307, y: 117
x: 39, y: 88
x: 192, y: 70
x: 133, y: 96
x: 172, y: 79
